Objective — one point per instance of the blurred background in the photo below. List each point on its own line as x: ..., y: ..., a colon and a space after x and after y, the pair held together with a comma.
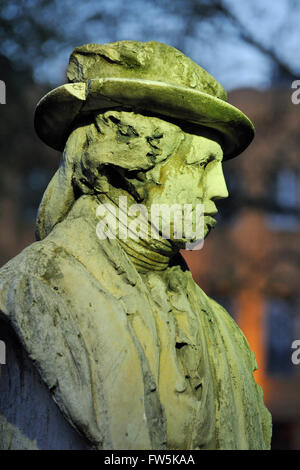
x: 251, y: 262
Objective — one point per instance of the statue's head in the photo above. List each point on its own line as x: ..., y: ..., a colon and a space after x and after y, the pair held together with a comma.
x: 141, y: 118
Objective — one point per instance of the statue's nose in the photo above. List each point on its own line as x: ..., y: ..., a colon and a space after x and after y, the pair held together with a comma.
x: 216, y: 185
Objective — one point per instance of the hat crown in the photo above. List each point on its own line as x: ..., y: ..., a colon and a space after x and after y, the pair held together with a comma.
x: 146, y: 77
x: 141, y: 60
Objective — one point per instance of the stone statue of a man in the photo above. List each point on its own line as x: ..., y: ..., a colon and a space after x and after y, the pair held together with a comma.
x: 131, y: 353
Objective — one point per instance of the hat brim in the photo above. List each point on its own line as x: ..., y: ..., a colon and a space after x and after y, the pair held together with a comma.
x: 57, y: 112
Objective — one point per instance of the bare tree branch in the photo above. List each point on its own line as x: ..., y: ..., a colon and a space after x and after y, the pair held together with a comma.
x: 284, y: 69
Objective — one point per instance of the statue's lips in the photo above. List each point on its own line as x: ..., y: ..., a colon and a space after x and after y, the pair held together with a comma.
x: 209, y: 220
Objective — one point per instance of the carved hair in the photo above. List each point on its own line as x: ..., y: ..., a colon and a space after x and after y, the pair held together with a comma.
x: 115, y: 141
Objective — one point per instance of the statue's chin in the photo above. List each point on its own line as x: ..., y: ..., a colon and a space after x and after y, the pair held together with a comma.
x: 194, y: 243
x: 209, y: 224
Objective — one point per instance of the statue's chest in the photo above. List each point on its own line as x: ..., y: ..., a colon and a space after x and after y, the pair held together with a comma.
x: 183, y: 377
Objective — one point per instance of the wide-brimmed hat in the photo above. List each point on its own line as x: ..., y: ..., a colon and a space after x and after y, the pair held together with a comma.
x: 145, y: 77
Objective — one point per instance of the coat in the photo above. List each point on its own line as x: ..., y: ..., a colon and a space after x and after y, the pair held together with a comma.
x: 132, y: 361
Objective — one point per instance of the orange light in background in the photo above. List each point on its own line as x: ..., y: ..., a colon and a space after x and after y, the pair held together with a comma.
x: 250, y: 318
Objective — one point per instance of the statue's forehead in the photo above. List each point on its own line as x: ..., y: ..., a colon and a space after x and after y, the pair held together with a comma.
x: 191, y: 138
x: 200, y: 137
x: 203, y: 148
x: 211, y: 143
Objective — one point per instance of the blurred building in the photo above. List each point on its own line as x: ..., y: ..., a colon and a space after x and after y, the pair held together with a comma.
x: 250, y: 263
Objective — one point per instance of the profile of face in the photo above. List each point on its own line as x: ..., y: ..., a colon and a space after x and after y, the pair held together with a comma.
x: 160, y: 163
x: 194, y: 176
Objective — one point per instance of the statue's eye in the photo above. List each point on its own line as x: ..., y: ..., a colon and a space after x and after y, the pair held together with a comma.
x: 206, y: 162
x: 203, y: 165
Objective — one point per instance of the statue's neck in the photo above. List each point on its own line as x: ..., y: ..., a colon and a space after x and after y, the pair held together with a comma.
x: 148, y: 251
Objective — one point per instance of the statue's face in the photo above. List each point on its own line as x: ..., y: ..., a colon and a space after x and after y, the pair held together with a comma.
x: 193, y: 175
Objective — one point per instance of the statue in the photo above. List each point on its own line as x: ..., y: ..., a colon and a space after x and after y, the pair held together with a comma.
x: 134, y: 354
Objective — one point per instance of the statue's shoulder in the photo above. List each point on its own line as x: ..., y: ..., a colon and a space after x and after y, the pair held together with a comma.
x: 238, y: 338
x: 33, y: 260
x: 29, y: 295
x: 42, y: 263
x: 223, y: 324
x: 234, y: 331
x: 27, y: 263
x: 36, y: 264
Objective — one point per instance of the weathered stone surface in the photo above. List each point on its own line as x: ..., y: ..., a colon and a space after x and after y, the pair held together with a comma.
x: 149, y: 61
x: 132, y: 351
x: 29, y: 418
x: 134, y: 363
x: 144, y: 76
